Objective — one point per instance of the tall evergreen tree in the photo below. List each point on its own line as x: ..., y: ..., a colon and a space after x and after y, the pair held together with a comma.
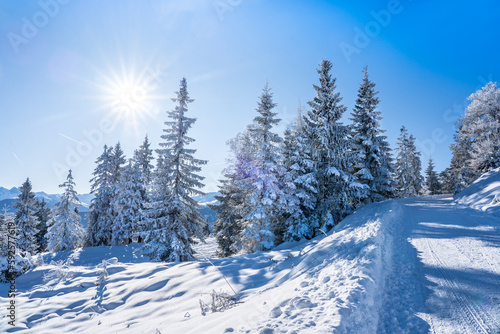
x: 228, y: 225
x: 118, y: 160
x: 408, y: 166
x: 174, y: 219
x: 26, y: 220
x: 143, y: 158
x: 432, y: 185
x: 235, y: 188
x: 448, y: 181
x: 300, y: 186
x: 65, y: 230
x: 372, y: 153
x: 262, y: 223
x: 7, y: 222
x: 330, y: 150
x: 460, y: 170
x: 127, y: 205
x: 476, y: 147
x: 43, y: 215
x: 100, y: 216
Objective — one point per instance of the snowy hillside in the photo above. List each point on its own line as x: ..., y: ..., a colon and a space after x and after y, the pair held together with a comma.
x: 411, y: 266
x: 483, y: 194
x: 209, y: 198
x: 310, y: 287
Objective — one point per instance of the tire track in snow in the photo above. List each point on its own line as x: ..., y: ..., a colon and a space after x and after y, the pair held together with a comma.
x: 452, y: 243
x: 468, y: 312
x: 481, y: 261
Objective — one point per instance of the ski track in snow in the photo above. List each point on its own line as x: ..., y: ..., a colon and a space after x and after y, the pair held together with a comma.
x: 460, y: 252
x: 421, y: 265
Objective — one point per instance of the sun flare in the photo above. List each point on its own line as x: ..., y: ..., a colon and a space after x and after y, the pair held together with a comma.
x: 130, y: 97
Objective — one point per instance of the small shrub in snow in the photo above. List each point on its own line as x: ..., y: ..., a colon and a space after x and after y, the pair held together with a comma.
x: 60, y: 273
x: 103, y: 271
x: 221, y: 301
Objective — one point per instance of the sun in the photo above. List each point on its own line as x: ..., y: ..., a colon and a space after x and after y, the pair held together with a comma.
x: 129, y: 97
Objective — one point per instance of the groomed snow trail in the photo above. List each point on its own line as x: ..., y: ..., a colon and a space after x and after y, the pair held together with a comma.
x: 454, y: 285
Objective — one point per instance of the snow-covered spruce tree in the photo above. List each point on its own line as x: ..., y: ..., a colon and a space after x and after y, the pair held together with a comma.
x: 460, y: 170
x: 65, y: 230
x: 300, y: 183
x: 329, y: 142
x: 432, y: 185
x: 228, y: 225
x: 262, y: 227
x: 235, y: 189
x: 6, y: 218
x: 143, y: 158
x: 22, y: 263
x: 477, y: 142
x: 408, y: 167
x: 43, y: 215
x: 372, y: 153
x: 127, y: 205
x: 26, y: 220
x: 100, y: 216
x: 447, y: 182
x: 173, y: 218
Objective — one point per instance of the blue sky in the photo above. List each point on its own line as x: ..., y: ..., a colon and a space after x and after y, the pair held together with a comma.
x: 75, y: 75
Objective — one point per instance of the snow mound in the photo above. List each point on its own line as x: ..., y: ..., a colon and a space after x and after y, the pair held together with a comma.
x: 483, y: 194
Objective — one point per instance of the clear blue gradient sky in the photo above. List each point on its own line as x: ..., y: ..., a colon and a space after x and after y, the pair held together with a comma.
x: 76, y: 74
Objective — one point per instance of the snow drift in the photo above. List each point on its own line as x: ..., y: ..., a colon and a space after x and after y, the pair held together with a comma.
x: 483, y: 194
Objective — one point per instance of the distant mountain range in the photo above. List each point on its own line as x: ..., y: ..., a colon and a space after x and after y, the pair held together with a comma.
x: 8, y: 197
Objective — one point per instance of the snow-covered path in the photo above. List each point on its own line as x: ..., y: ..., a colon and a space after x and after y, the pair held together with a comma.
x: 445, y: 270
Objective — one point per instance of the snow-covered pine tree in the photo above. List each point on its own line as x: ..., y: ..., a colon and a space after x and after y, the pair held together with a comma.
x: 228, y: 225
x: 43, y: 215
x: 460, y: 169
x: 173, y: 217
x: 118, y: 160
x: 477, y: 142
x: 300, y: 183
x: 127, y: 204
x: 65, y: 230
x: 143, y: 158
x: 100, y: 216
x: 26, y: 220
x: 235, y: 189
x: 408, y: 167
x: 329, y: 142
x: 262, y: 228
x: 6, y: 224
x: 432, y: 185
x: 372, y: 152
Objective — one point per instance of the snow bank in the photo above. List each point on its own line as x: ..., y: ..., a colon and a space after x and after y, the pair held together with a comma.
x: 483, y: 194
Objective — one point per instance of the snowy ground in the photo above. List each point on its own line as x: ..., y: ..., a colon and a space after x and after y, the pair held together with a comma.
x: 404, y: 266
